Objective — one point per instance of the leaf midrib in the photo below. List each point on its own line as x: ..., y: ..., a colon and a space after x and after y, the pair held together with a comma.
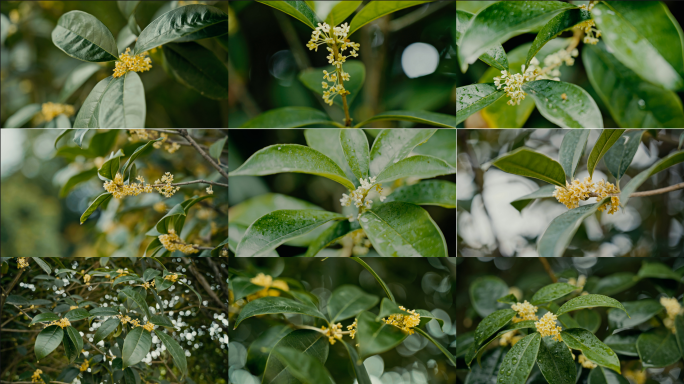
x: 91, y: 42
x: 276, y: 240
x: 285, y: 367
x: 394, y: 230
x: 134, y: 348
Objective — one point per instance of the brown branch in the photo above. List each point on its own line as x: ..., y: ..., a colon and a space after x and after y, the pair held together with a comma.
x: 211, y: 161
x: 548, y: 269
x: 217, y: 273
x: 203, y: 282
x: 169, y: 370
x: 193, y: 182
x: 93, y: 345
x: 19, y: 330
x: 7, y: 292
x: 645, y: 193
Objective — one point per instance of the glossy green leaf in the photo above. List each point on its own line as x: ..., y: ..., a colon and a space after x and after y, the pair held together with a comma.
x: 216, y: 149
x: 292, y: 158
x: 259, y: 349
x: 639, y: 311
x: 388, y: 308
x: 347, y: 301
x: 136, y: 346
x: 600, y: 375
x: 302, y: 366
x: 518, y: 363
x: 558, y: 234
x: 442, y: 145
x: 110, y: 168
x: 632, y: 102
x: 242, y: 287
x: 472, y: 98
x: 393, y: 145
x: 375, y: 337
x: 591, y: 347
x: 563, y: 21
x: 42, y: 264
x: 641, y: 36
x: 70, y: 350
x: 355, y: 148
x: 509, y: 299
x: 77, y: 78
x: 104, y: 311
x: 218, y: 31
x: 93, y: 206
x: 327, y: 141
x: 122, y: 279
x: 527, y: 162
x: 427, y: 316
x: 178, y: 23
x: 423, y: 117
x: 623, y: 343
x: 571, y: 151
x: 605, y: 141
x: 22, y: 116
x: 483, y: 294
x: 377, y: 9
x: 161, y: 284
x: 492, y: 324
x: 658, y: 271
x: 172, y: 346
x: 552, y: 292
x: 588, y: 319
x: 487, y: 371
x: 89, y: 112
x: 250, y: 210
x: 139, y: 300
x: 420, y: 166
x: 403, y: 230
x: 578, y: 110
x: 658, y: 348
x: 288, y: 117
x: 77, y: 314
x: 161, y: 321
x: 222, y: 245
x: 312, y: 343
x: 270, y: 305
x: 297, y: 9
x: 660, y: 165
x: 544, y: 192
x: 138, y: 151
x: 275, y: 228
x: 359, y: 369
x: 589, y: 301
x: 75, y: 339
x: 312, y: 78
x: 84, y: 37
x: 495, y: 57
x: 615, y: 283
x: 620, y: 155
x: 47, y: 341
x: 341, y: 11
x: 77, y: 179
x: 556, y: 362
x: 131, y: 376
x: 427, y: 192
x: 501, y: 21
x: 123, y: 103
x: 198, y: 68
x: 43, y: 318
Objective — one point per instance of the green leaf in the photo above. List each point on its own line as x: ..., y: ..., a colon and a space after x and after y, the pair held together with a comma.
x: 259, y: 349
x: 178, y: 23
x: 131, y: 376
x: 605, y: 141
x: 122, y: 279
x: 387, y: 308
x: 509, y: 299
x: 437, y: 344
x: 22, y: 116
x: 639, y: 311
x: 558, y: 234
x: 620, y: 155
x: 495, y: 57
x: 77, y: 314
x: 70, y: 350
x: 591, y: 347
x: 393, y: 145
x: 76, y: 79
x: 123, y: 103
x: 341, y: 12
x: 603, y: 376
x: 216, y: 149
x: 328, y: 236
x: 563, y: 21
x: 292, y: 158
x: 660, y: 165
x: 472, y: 98
x: 125, y: 38
x: 312, y: 78
x: 493, y: 323
x: 632, y: 102
x: 312, y: 343
x: 47, y: 341
x: 224, y: 244
x: 302, y: 366
x: 174, y: 349
x: 427, y: 192
x: 275, y: 228
x: 442, y: 145
x: 526, y: 162
x: 297, y: 9
x: 347, y: 301
x: 102, y: 142
x: 327, y: 141
x: 355, y: 148
x: 375, y: 337
x: 76, y: 340
x: 422, y: 117
x: 641, y: 36
x: 624, y: 344
x: 556, y: 362
x: 578, y: 110
x: 552, y: 292
x: 488, y: 369
x: 589, y: 301
x: 104, y: 311
x: 427, y: 316
x: 250, y: 210
x: 679, y: 332
x: 84, y: 37
x: 161, y: 320
x: 136, y: 346
x: 62, y: 134
x: 161, y: 284
x: 658, y: 271
x: 615, y: 283
x: 521, y: 202
x: 138, y: 300
x: 127, y: 8
x: 571, y: 151
x: 288, y: 117
x: 382, y: 283
x: 138, y: 151
x: 42, y: 264
x: 589, y: 319
x: 501, y: 21
x: 75, y: 180
x: 89, y: 112
x: 198, y: 68
x: 377, y: 9
x: 359, y: 369
x: 242, y: 287
x: 420, y: 166
x: 110, y: 168
x: 403, y: 230
x: 271, y: 305
x: 658, y: 348
x: 44, y: 317
x: 483, y: 294
x: 518, y: 363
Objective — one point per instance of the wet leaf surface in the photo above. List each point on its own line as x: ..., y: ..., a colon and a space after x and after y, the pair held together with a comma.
x: 578, y: 110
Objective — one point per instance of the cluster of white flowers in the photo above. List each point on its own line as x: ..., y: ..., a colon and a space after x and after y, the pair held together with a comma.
x: 28, y: 286
x: 359, y: 195
x: 513, y: 86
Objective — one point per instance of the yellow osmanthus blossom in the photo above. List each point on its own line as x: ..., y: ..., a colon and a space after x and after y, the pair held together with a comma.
x: 170, y: 147
x: 404, y: 322
x: 267, y: 282
x: 224, y: 253
x: 172, y: 242
x: 547, y: 326
x: 148, y: 327
x: 507, y: 338
x: 137, y: 63
x: 526, y: 311
x: 586, y: 363
x: 63, y: 322
x: 73, y: 307
x: 120, y: 190
x: 160, y: 207
x: 210, y: 191
x: 51, y: 110
x: 577, y: 190
x: 352, y: 328
x: 673, y: 308
x: 86, y: 279
x: 172, y: 277
x: 84, y: 366
x: 579, y: 282
x: 167, y: 190
x: 636, y: 376
x: 334, y: 332
x: 148, y: 284
x: 589, y: 27
x: 124, y: 319
x: 22, y: 262
x: 36, y: 376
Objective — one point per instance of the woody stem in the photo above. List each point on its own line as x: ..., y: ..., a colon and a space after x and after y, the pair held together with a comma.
x: 347, y: 119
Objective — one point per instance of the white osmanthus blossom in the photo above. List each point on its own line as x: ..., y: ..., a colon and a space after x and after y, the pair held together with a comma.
x: 359, y: 196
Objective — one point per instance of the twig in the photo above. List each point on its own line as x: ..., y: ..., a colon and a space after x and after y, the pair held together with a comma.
x: 7, y: 292
x: 19, y: 330
x: 645, y: 193
x: 169, y: 370
x: 162, y: 130
x: 193, y: 182
x: 187, y: 137
x: 218, y: 276
x: 548, y: 269
x: 93, y: 345
x: 204, y: 284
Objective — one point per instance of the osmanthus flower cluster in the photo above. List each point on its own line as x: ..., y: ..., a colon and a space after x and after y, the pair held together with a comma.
x: 144, y: 134
x: 51, y: 110
x: 359, y: 196
x: 592, y: 34
x: 172, y: 242
x: 577, y: 191
x: 136, y: 63
x: 673, y: 309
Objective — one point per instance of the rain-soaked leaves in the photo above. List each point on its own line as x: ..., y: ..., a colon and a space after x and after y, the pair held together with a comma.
x: 518, y: 363
x: 492, y: 323
x: 393, y: 145
x: 620, y: 155
x: 590, y: 301
x: 572, y: 150
x: 576, y: 110
x: 488, y: 369
x: 427, y: 192
x: 658, y: 348
x: 565, y: 20
x: 595, y: 350
x: 556, y: 362
x: 419, y: 166
x: 272, y: 304
x: 623, y: 343
x: 639, y: 311
x: 495, y: 57
x: 472, y: 98
x: 552, y: 292
x: 600, y: 375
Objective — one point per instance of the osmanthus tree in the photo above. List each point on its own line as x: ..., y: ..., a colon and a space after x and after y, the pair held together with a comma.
x: 381, y: 209
x: 119, y: 101
x: 635, y: 86
x: 204, y: 211
x: 344, y: 77
x: 558, y: 333
x: 114, y: 320
x: 294, y: 351
x: 616, y: 147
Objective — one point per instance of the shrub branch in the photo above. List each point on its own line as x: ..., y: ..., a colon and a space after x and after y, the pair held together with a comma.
x: 184, y: 133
